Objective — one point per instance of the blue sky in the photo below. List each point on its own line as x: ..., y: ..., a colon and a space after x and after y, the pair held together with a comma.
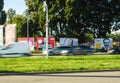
x: 18, y: 5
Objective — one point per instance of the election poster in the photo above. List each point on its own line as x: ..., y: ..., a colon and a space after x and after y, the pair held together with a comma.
x: 103, y: 43
x: 10, y: 34
x: 41, y: 43
x: 31, y: 41
x: 68, y: 42
x: 1, y: 35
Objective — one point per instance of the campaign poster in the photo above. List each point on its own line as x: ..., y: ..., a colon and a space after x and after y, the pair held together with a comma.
x: 1, y: 35
x: 68, y: 42
x: 103, y: 43
x: 41, y: 43
x: 31, y: 41
x: 10, y: 34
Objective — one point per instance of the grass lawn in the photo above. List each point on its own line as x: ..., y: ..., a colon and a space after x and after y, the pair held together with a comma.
x: 63, y: 63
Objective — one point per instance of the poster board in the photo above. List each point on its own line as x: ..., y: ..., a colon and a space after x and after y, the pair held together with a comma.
x: 1, y: 35
x: 41, y: 43
x: 10, y: 34
x: 100, y: 43
x: 31, y: 41
x: 68, y: 41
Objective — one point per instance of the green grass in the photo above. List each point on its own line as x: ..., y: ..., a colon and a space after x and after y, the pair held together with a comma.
x: 54, y: 64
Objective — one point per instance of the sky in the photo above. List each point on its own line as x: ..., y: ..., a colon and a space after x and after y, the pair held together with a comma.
x: 17, y: 5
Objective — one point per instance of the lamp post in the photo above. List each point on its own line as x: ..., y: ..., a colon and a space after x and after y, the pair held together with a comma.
x: 28, y: 23
x: 46, y: 24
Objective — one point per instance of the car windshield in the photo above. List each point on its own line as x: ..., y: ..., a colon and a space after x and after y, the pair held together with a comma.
x: 5, y: 47
x: 83, y: 47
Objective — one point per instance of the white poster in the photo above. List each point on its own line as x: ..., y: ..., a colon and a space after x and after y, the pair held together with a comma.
x: 1, y: 35
x: 10, y: 34
x: 68, y: 41
x: 31, y: 41
x: 101, y: 43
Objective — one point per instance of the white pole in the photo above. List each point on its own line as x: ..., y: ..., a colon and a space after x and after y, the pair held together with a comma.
x: 28, y: 23
x: 46, y: 10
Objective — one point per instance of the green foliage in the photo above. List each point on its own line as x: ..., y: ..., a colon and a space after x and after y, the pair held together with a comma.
x: 3, y: 17
x: 37, y: 17
x: 10, y: 15
x: 55, y: 64
x: 20, y: 21
x: 80, y: 19
x: 1, y: 4
x: 115, y: 37
x: 2, y: 13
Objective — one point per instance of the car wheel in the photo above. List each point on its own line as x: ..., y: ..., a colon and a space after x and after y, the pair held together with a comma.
x: 115, y: 52
x: 70, y: 54
x: 89, y: 53
x: 50, y: 53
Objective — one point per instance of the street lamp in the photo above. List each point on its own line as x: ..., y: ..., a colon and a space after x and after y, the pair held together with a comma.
x: 45, y: 9
x: 28, y: 23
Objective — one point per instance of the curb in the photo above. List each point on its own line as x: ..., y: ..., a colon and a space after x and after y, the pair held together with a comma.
x: 37, y: 73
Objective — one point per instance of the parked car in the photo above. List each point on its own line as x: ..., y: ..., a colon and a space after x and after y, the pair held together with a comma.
x: 16, y: 49
x: 83, y: 50
x: 43, y: 46
x: 70, y: 50
x: 115, y: 50
x: 60, y: 50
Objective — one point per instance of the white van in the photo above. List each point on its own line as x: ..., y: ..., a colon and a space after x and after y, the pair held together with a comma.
x: 16, y: 49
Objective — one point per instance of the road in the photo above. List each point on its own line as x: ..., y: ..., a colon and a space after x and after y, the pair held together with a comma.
x: 78, y: 77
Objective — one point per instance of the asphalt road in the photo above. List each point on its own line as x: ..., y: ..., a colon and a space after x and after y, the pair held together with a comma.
x: 78, y: 77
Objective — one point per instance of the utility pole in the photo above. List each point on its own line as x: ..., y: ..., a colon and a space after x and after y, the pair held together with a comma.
x: 28, y: 23
x: 46, y: 24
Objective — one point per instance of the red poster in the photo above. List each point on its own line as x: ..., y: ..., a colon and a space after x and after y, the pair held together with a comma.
x: 41, y: 43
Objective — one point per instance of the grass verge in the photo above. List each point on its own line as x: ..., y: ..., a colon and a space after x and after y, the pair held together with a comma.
x: 55, y: 64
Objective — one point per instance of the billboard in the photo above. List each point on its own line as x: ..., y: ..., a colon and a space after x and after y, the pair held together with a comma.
x: 1, y: 35
x: 101, y: 43
x: 68, y: 42
x: 41, y: 43
x: 31, y: 41
x: 10, y: 34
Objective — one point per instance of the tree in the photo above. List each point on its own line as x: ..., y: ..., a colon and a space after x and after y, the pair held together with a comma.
x: 2, y: 13
x: 20, y: 21
x: 10, y: 14
x: 115, y: 37
x: 102, y: 16
x: 80, y: 18
x: 36, y: 21
x: 91, y: 16
x: 1, y: 4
